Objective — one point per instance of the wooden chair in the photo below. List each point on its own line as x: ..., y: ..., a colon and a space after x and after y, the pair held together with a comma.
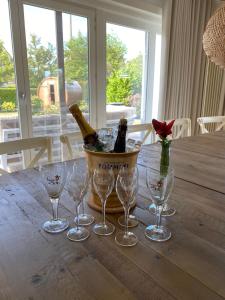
x: 69, y: 138
x: 181, y: 128
x: 211, y: 120
x: 145, y: 128
x: 44, y: 143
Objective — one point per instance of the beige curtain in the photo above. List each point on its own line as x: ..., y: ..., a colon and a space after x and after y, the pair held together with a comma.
x: 187, y: 62
x: 213, y: 95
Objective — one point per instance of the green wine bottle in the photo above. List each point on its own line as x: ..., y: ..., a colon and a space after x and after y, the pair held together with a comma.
x: 90, y: 136
x: 120, y: 144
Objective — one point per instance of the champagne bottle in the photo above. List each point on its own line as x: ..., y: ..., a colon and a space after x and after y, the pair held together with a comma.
x: 120, y: 144
x: 90, y: 136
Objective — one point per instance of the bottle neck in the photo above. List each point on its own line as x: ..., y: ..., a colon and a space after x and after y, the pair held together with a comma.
x: 85, y: 128
x: 120, y: 144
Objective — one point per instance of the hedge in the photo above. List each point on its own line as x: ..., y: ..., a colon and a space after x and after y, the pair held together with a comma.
x: 9, y: 94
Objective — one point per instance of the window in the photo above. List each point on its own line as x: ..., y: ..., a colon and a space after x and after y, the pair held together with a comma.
x: 76, y: 61
x: 125, y: 58
x: 9, y: 115
x: 53, y: 87
x: 52, y: 94
x: 63, y: 53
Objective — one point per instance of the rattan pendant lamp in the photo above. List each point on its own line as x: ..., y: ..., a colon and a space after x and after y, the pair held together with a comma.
x: 214, y: 38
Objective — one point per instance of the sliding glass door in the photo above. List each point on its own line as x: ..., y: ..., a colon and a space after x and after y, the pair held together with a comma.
x: 133, y: 57
x: 58, y: 65
x: 9, y: 109
x: 63, y: 54
x: 125, y: 61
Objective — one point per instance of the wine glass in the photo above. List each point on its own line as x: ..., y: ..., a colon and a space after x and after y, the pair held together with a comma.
x: 132, y: 221
x: 80, y: 166
x: 103, y: 181
x: 53, y: 178
x: 166, y: 212
x: 159, y: 187
x: 77, y: 186
x: 126, y: 188
x: 106, y: 135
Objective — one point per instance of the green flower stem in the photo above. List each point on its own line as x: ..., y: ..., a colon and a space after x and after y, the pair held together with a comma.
x: 165, y: 157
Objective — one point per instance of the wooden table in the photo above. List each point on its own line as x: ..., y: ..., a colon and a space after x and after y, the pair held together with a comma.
x: 36, y: 265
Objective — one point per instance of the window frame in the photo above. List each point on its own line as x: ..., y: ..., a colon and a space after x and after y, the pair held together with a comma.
x: 97, y: 19
x: 151, y: 29
x: 21, y: 50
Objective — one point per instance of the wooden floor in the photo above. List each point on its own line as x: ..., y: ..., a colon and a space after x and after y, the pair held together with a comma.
x: 36, y: 265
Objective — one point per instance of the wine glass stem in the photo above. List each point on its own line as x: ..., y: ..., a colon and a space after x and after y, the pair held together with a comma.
x: 82, y: 206
x: 158, y: 215
x: 103, y: 210
x: 77, y: 213
x: 126, y: 212
x: 165, y: 206
x: 55, y: 202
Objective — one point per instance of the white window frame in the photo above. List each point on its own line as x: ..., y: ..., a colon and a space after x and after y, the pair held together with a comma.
x: 97, y: 18
x: 152, y: 28
x: 20, y: 40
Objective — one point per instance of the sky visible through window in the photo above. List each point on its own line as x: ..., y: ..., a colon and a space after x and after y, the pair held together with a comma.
x: 133, y: 39
x: 5, y: 31
x: 42, y: 23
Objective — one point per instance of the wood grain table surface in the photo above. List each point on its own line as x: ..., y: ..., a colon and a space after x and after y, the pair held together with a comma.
x: 191, y: 265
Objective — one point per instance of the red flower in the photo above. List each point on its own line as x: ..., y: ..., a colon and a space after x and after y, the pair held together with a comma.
x: 162, y: 129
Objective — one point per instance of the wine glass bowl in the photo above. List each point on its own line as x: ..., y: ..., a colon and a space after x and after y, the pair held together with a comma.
x: 80, y: 166
x: 132, y: 221
x: 126, y: 188
x: 166, y: 212
x: 77, y: 187
x: 103, y: 182
x: 53, y: 177
x: 160, y: 188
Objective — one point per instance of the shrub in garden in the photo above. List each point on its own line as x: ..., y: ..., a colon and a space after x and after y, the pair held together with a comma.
x: 37, y: 104
x: 8, y: 106
x: 33, y: 92
x: 52, y: 109
x: 8, y: 95
x: 118, y: 89
x: 83, y: 106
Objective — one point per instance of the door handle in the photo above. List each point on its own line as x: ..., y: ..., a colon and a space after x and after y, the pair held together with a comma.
x: 22, y: 98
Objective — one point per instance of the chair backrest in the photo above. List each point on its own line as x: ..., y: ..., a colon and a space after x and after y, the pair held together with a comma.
x: 214, y: 119
x: 68, y: 138
x: 44, y: 143
x: 181, y: 128
x: 147, y: 128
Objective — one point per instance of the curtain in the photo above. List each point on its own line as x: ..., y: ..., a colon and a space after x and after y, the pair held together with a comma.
x: 213, y: 95
x: 187, y: 63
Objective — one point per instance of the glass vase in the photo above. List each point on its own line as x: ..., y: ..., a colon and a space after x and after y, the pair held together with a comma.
x: 165, y: 163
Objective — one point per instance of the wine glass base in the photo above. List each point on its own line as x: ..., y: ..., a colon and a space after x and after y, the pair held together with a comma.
x: 55, y: 226
x: 126, y: 240
x: 166, y: 212
x: 103, y: 229
x: 132, y: 221
x: 78, y: 234
x: 157, y: 233
x: 85, y: 219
